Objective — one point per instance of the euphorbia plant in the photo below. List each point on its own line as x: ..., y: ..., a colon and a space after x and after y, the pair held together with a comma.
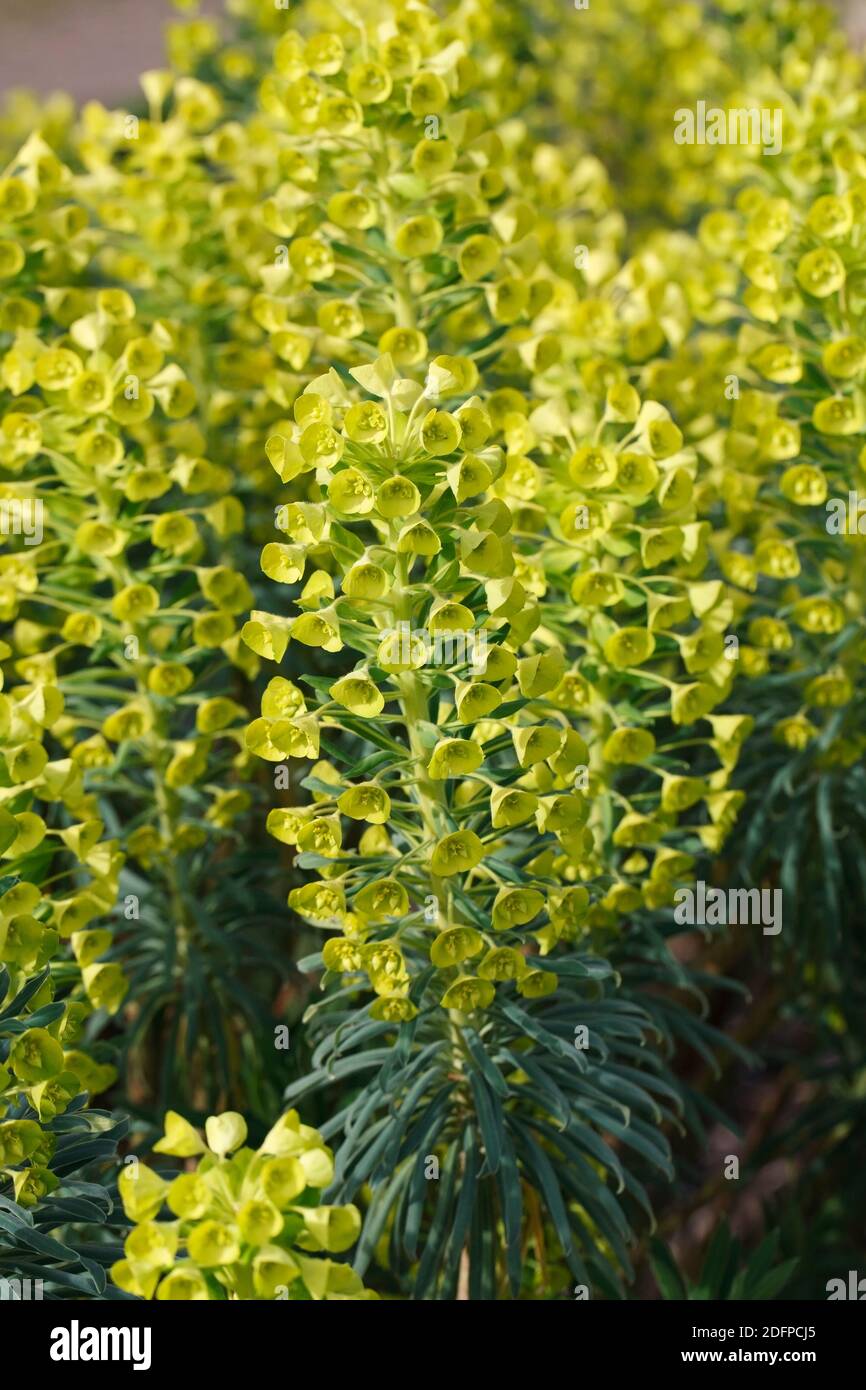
x: 764, y: 371
x: 504, y: 621
x: 458, y: 811
x: 60, y: 873
x: 445, y: 828
x: 122, y: 608
x: 784, y: 488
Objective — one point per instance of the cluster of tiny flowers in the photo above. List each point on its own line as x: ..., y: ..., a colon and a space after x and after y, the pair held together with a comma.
x: 792, y: 455
x: 60, y: 872
x: 244, y: 1223
x: 765, y: 376
x: 119, y: 633
x: 491, y: 478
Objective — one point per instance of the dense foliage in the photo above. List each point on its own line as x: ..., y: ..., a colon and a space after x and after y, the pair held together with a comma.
x: 429, y: 557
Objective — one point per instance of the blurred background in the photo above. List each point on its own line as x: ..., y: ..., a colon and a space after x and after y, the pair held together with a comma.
x: 88, y: 48
x: 854, y: 12
x: 97, y: 48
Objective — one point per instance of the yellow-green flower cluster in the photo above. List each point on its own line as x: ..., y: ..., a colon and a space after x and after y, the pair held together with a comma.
x: 60, y: 873
x: 57, y: 876
x: 119, y: 608
x: 214, y: 201
x: 436, y: 606
x: 493, y: 478
x: 761, y: 360
x: 488, y: 649
x: 114, y: 605
x: 657, y: 643
x: 244, y: 1223
x: 787, y: 452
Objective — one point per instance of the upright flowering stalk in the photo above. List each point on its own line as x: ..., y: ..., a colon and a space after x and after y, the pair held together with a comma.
x: 432, y: 603
x: 454, y: 796
x: 785, y: 489
x: 458, y: 828
x: 636, y: 587
x: 60, y: 872
x: 122, y: 606
x: 761, y: 360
